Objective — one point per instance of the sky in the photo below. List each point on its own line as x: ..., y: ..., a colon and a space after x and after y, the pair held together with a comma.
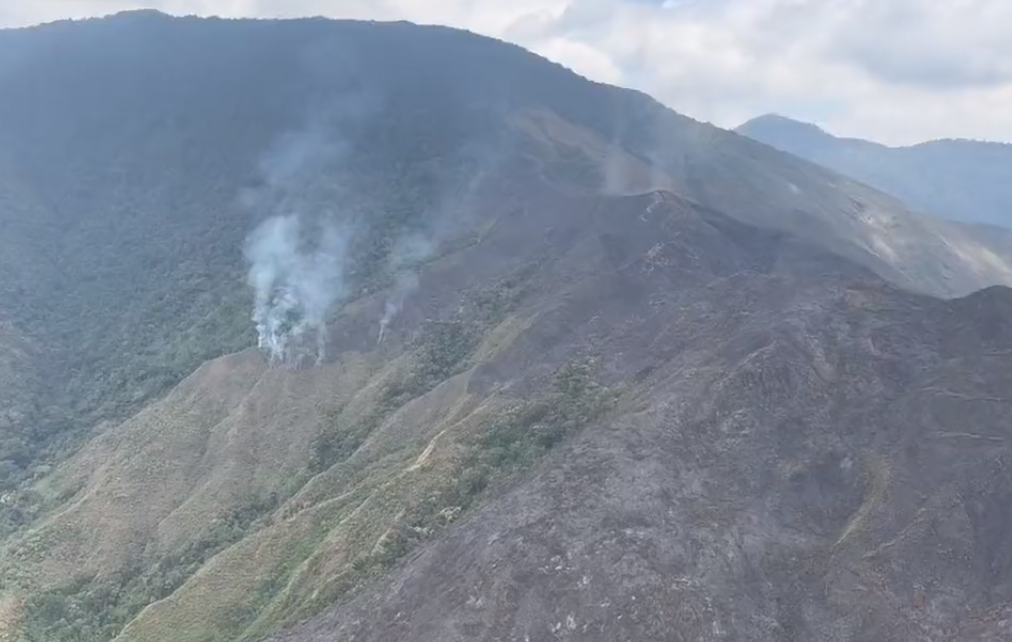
x: 895, y: 71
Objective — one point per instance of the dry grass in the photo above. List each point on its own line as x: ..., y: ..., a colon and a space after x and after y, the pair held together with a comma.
x: 305, y: 558
x: 235, y: 431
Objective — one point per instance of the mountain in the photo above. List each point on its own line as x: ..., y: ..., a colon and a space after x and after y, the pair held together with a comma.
x: 375, y: 330
x: 835, y: 469
x: 126, y: 171
x: 961, y: 180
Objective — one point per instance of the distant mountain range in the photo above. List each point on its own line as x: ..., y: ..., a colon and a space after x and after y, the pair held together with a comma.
x: 962, y: 180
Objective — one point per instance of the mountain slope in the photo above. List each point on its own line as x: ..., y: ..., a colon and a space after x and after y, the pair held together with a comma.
x: 557, y: 291
x: 134, y: 138
x: 837, y: 470
x: 779, y: 407
x: 20, y: 383
x: 960, y: 180
x: 23, y: 354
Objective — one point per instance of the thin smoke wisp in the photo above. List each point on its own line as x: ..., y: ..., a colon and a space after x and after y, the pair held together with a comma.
x: 403, y: 260
x: 439, y: 223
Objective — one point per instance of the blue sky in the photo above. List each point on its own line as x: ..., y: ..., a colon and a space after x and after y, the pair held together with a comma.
x: 897, y: 71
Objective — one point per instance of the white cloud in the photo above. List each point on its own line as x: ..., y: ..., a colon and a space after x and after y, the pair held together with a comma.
x: 897, y: 71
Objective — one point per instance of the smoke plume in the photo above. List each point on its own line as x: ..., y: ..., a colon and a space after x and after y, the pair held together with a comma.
x: 297, y: 255
x: 296, y: 284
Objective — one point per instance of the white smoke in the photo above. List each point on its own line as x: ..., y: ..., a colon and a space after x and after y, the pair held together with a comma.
x: 404, y: 258
x: 296, y: 284
x: 297, y: 254
x: 440, y: 222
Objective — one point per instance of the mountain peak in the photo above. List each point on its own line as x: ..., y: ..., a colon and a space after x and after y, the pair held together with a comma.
x: 774, y: 118
x: 770, y: 126
x: 140, y: 14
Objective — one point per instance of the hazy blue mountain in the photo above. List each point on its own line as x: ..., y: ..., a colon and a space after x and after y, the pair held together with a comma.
x: 962, y: 180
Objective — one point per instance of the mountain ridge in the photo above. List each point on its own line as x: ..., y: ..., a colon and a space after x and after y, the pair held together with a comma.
x: 773, y: 119
x: 958, y: 179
